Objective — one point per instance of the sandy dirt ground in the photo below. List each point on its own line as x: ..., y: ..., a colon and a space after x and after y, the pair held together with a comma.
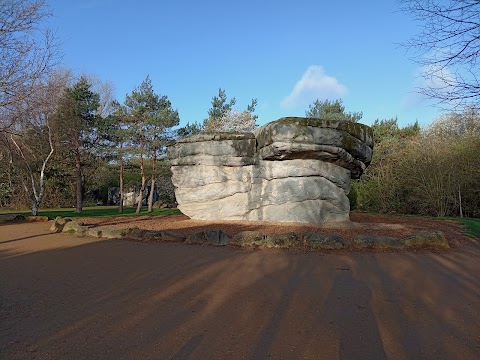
x: 68, y: 297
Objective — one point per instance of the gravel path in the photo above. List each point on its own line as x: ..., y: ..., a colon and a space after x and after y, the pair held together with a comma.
x: 67, y: 297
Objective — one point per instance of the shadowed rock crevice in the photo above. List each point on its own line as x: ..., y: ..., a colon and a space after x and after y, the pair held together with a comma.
x: 290, y: 170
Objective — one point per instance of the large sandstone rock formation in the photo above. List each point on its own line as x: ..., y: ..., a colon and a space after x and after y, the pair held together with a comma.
x: 292, y: 169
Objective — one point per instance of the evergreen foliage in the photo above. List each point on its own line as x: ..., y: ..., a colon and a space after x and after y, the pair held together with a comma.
x: 331, y: 110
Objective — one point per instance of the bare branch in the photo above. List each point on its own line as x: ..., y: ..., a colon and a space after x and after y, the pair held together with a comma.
x: 448, y: 48
x: 28, y: 49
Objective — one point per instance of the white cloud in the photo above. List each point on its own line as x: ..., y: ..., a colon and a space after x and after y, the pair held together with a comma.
x: 313, y: 85
x: 436, y: 77
x: 433, y: 77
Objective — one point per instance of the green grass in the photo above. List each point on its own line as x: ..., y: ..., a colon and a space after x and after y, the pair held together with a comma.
x: 96, y: 211
x: 472, y: 226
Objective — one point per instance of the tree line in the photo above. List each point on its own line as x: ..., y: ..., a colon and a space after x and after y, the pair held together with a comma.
x: 433, y: 170
x: 64, y: 140
x: 68, y: 136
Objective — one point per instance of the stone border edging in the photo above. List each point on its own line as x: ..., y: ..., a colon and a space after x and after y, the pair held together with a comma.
x: 255, y: 239
x: 15, y: 218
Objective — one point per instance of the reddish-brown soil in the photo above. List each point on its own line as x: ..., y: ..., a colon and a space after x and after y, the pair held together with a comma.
x: 69, y: 297
x: 361, y: 223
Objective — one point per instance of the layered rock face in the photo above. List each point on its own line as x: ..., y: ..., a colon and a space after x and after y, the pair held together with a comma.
x: 290, y: 170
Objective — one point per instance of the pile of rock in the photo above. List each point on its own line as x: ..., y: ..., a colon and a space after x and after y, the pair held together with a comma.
x: 256, y: 239
x: 292, y: 170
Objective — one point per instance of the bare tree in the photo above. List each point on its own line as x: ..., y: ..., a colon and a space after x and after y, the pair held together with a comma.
x: 447, y: 48
x: 33, y: 144
x: 234, y: 121
x: 27, y: 49
x: 106, y: 90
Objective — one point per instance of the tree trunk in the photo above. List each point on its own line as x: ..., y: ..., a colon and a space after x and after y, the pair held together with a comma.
x: 140, y: 196
x: 460, y: 201
x: 142, y: 189
x: 38, y: 198
x: 120, y: 205
x: 78, y: 174
x: 152, y: 187
x: 34, y: 208
x: 150, y: 196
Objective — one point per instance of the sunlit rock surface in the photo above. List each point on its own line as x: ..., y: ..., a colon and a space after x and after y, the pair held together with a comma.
x: 290, y: 170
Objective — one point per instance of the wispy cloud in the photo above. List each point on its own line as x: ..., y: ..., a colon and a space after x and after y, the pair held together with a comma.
x: 314, y: 84
x: 433, y: 77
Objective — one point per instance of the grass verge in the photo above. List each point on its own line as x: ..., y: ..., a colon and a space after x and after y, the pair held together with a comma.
x: 472, y: 226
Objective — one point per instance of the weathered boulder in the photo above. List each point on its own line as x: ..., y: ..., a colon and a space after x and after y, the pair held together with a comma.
x: 217, y: 149
x: 292, y: 169
x: 344, y: 143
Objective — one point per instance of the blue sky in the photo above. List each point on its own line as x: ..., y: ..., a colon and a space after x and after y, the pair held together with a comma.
x: 284, y: 53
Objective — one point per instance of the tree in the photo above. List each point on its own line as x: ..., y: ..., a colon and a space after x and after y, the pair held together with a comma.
x: 381, y: 188
x: 456, y: 123
x: 149, y: 117
x: 331, y: 110
x: 115, y: 134
x: 220, y: 108
x: 33, y: 144
x: 189, y: 130
x: 223, y: 118
x: 27, y: 49
x: 158, y: 135
x: 236, y: 121
x: 430, y: 171
x: 447, y: 48
x: 77, y: 121
x: 386, y: 130
x: 459, y: 134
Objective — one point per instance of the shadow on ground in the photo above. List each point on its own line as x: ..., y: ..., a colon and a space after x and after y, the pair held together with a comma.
x: 69, y: 297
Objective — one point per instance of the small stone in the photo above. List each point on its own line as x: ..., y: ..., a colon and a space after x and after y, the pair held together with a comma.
x: 171, y: 236
x: 136, y: 234
x: 426, y: 239
x: 59, y: 223
x: 95, y: 232
x: 114, y: 233
x: 281, y: 240
x: 248, y: 238
x: 377, y: 242
x: 214, y: 237
x: 324, y: 241
x: 37, y: 218
x: 75, y: 228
